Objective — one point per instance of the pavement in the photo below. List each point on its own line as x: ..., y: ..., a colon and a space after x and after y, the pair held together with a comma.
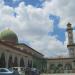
x: 60, y: 74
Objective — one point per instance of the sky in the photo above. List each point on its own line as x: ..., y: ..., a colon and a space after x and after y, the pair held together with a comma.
x: 41, y: 24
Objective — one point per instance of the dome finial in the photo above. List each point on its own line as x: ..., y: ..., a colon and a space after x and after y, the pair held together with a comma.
x: 7, y: 28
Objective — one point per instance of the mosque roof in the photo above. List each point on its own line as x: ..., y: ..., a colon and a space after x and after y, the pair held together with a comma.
x: 9, y: 36
x: 20, y: 50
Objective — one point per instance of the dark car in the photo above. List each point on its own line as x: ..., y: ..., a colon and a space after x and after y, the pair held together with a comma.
x: 35, y: 71
x: 5, y: 71
x: 32, y: 71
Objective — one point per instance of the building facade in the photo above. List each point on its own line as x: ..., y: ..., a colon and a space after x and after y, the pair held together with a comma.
x: 64, y: 65
x: 14, y: 54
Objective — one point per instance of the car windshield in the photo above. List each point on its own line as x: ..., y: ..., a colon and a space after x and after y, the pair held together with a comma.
x: 4, y: 70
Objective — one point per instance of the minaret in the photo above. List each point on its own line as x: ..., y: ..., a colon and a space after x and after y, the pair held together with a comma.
x: 70, y: 45
x: 70, y: 34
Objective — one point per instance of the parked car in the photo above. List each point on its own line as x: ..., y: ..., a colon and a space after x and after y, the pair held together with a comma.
x: 19, y: 70
x: 5, y: 71
x: 35, y: 71
x: 32, y: 71
x: 28, y: 71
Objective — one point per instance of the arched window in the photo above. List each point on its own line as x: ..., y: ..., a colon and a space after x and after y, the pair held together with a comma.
x: 10, y: 62
x: 52, y: 66
x: 22, y: 62
x: 29, y: 63
x: 74, y: 62
x: 59, y: 68
x: 2, y: 60
x: 15, y: 62
x: 68, y: 67
x: 59, y: 65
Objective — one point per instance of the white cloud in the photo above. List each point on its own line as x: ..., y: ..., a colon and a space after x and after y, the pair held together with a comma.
x: 50, y: 46
x: 64, y: 9
x: 32, y: 24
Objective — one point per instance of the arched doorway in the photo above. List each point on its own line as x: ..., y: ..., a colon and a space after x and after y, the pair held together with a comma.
x: 22, y: 63
x: 52, y: 68
x: 74, y: 63
x: 10, y: 62
x: 68, y: 67
x: 29, y: 63
x: 73, y: 66
x: 2, y: 60
x: 15, y: 64
x: 59, y: 68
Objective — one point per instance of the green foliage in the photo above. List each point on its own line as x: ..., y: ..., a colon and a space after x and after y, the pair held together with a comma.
x: 40, y: 64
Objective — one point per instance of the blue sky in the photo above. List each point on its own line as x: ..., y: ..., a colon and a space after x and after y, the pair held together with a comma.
x: 57, y: 31
x: 38, y: 4
x: 14, y: 3
x: 41, y: 24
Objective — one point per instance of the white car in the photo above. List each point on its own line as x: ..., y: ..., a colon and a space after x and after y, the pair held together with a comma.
x: 5, y: 71
x: 20, y: 70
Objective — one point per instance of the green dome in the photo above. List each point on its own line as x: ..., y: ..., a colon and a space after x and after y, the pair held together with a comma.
x: 8, y: 35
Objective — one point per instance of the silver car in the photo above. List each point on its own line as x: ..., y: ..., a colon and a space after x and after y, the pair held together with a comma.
x: 5, y: 71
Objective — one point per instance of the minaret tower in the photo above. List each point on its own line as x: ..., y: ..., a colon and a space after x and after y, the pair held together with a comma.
x: 70, y: 45
x: 70, y: 34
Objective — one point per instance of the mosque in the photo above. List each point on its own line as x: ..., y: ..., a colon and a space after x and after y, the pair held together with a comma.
x: 64, y: 65
x: 15, y: 54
